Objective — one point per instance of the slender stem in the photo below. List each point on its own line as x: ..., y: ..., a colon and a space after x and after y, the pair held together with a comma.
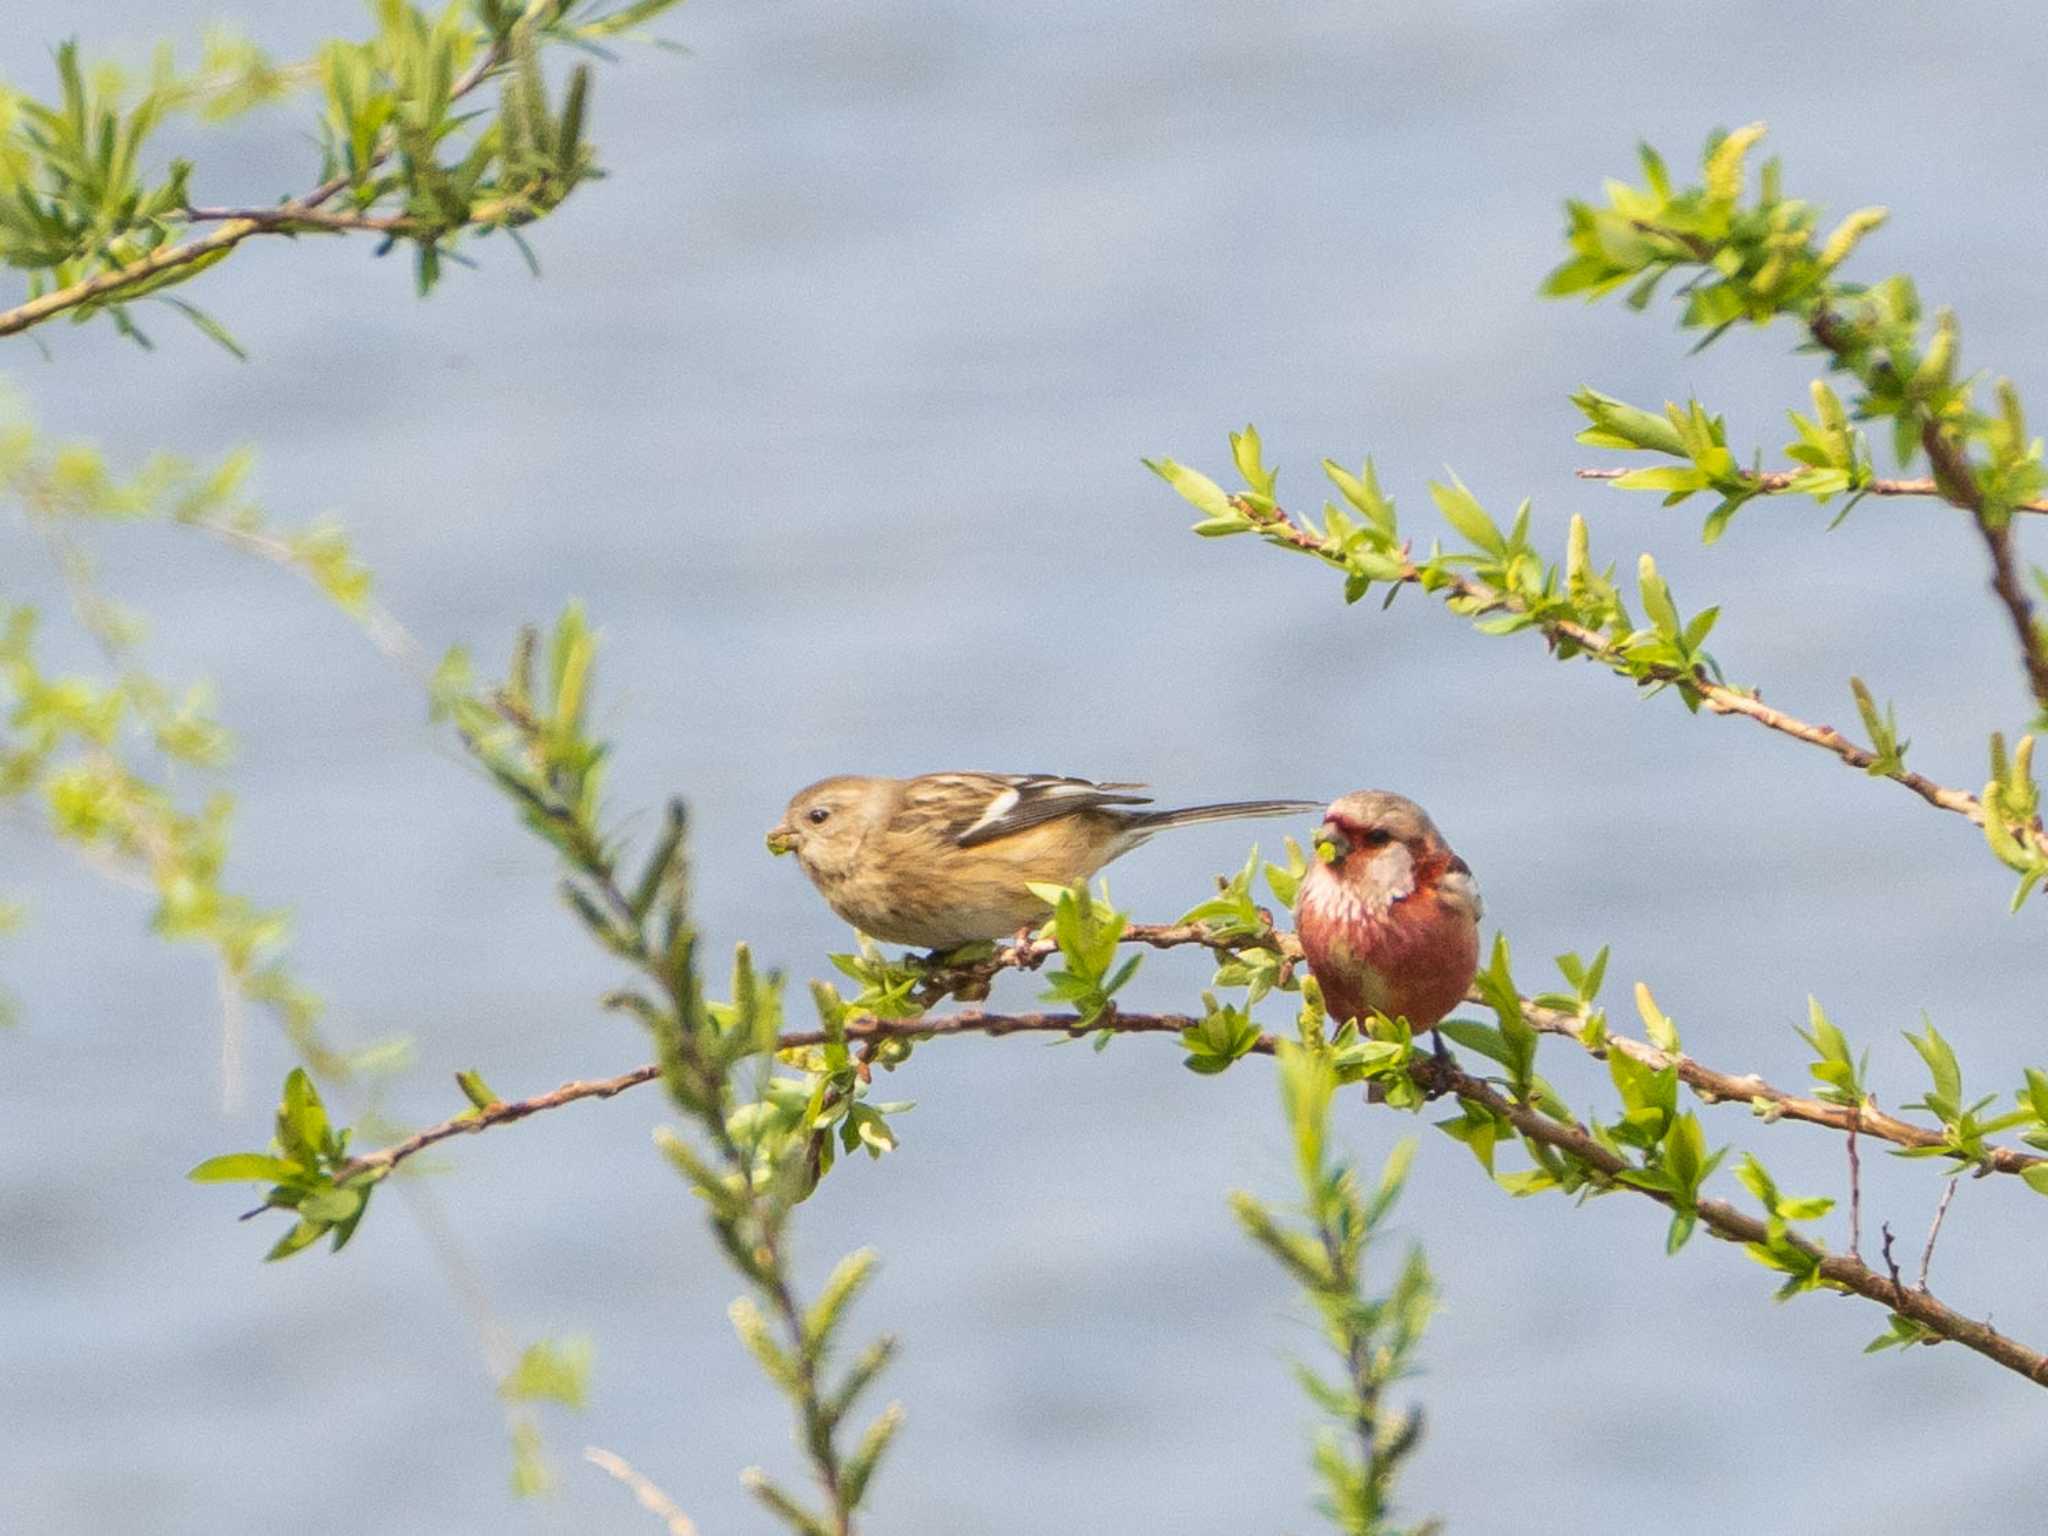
x: 1726, y: 1222
x: 645, y: 1491
x: 1934, y: 1231
x: 239, y: 224
x: 1855, y: 1190
x: 1846, y: 1271
x: 1771, y: 481
x: 1711, y: 1084
x: 1718, y: 697
x: 1958, y: 484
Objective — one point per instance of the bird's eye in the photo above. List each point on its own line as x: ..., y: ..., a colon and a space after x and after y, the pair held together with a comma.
x: 817, y: 815
x: 1378, y: 837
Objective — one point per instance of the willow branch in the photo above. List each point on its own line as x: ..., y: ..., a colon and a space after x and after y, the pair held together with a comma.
x: 1957, y: 484
x: 2011, y: 589
x: 1771, y: 481
x: 297, y: 217
x: 972, y: 1021
x: 1723, y: 1220
x: 1709, y: 1083
x: 1959, y: 487
x: 1718, y: 697
x: 1844, y: 1271
x: 289, y: 217
x: 1747, y: 1088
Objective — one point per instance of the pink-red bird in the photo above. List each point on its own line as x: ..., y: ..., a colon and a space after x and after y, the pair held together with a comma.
x: 1389, y: 916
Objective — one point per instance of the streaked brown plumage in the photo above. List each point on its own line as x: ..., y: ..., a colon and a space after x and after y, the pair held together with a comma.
x: 948, y: 858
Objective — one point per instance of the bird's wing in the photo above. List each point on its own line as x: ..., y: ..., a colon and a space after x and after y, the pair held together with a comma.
x: 1462, y: 887
x: 976, y: 808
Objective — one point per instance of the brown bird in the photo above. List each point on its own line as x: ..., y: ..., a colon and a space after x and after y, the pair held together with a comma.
x: 948, y: 858
x: 1389, y: 916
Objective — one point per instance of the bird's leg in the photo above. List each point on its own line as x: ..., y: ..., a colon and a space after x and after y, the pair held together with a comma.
x: 1446, y: 1064
x: 952, y: 971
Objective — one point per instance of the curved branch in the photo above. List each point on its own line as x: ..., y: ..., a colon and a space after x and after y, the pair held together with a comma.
x: 1747, y: 1088
x: 1723, y: 1220
x: 288, y: 217
x: 297, y: 217
x: 1709, y: 1083
x: 971, y: 1021
x: 1772, y: 481
x: 1718, y: 697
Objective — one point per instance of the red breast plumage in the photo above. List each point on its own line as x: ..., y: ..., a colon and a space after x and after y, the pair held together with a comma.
x: 1389, y: 916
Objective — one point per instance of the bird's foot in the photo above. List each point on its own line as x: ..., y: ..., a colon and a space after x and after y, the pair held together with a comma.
x: 1445, y: 1064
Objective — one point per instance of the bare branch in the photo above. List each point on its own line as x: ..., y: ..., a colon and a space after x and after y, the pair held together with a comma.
x: 645, y: 1491
x: 1959, y: 486
x: 1934, y: 1231
x: 1855, y: 1191
x: 1892, y: 1264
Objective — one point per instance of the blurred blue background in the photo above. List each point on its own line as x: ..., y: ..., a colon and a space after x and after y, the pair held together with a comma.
x: 830, y: 405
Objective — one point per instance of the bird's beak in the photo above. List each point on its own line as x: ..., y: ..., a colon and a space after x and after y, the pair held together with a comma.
x: 781, y: 839
x: 1330, y: 843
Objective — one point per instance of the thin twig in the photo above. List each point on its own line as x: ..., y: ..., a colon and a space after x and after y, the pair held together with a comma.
x: 1770, y: 481
x: 1855, y: 1191
x: 1710, y: 1084
x: 1892, y: 1264
x: 1934, y: 1231
x: 1720, y: 698
x: 1725, y: 1221
x: 1959, y: 486
x: 292, y: 218
x: 649, y: 1495
x: 286, y: 217
x: 2012, y: 593
x: 1716, y: 1086
x: 1847, y: 1272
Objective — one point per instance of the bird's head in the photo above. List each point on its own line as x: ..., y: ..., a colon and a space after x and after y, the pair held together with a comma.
x: 1375, y: 842
x: 824, y: 823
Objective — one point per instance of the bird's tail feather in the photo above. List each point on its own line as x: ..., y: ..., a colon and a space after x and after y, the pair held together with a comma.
x: 1158, y: 821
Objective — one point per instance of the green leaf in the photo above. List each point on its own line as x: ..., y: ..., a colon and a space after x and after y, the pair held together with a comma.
x: 1463, y: 512
x: 1664, y: 477
x: 330, y: 1206
x: 1946, y: 1099
x: 550, y: 1372
x: 1616, y: 424
x: 1483, y: 1038
x: 1657, y: 598
x: 234, y: 1167
x: 1662, y: 1032
x: 1197, y: 489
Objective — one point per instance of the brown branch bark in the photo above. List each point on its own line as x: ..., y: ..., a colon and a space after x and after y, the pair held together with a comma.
x: 1847, y: 1272
x: 290, y: 218
x: 1747, y: 1088
x: 295, y: 213
x: 1771, y: 481
x: 1718, y: 697
x: 1958, y: 485
x: 1708, y: 1083
x: 1725, y: 1221
x: 2011, y: 590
